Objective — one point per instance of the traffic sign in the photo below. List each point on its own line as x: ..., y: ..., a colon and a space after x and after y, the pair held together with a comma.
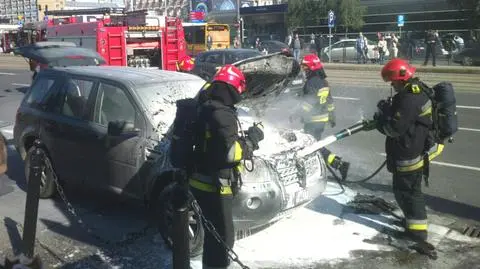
x: 400, y: 20
x: 331, y: 19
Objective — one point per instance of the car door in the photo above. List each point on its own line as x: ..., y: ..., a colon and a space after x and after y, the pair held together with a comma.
x: 350, y: 50
x: 212, y: 61
x: 117, y: 157
x: 336, y: 53
x: 69, y: 129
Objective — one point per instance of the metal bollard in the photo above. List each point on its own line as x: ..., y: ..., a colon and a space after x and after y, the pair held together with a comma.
x: 180, y: 238
x: 33, y: 197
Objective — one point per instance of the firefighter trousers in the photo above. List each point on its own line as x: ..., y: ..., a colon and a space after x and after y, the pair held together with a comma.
x: 316, y: 130
x: 217, y: 208
x: 407, y: 188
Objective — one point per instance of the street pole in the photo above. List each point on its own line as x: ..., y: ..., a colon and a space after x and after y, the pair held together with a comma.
x: 240, y: 26
x: 329, y: 44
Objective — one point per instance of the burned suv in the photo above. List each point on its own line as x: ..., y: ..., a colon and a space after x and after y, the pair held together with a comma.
x: 117, y: 122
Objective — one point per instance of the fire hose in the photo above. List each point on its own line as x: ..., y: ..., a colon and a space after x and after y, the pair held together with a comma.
x: 356, y: 128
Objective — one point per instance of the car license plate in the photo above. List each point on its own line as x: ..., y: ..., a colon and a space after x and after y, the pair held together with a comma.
x: 301, y: 196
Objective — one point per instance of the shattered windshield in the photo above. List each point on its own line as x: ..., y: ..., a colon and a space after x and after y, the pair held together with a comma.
x: 159, y: 99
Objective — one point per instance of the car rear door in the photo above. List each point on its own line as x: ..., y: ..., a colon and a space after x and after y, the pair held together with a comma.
x: 117, y: 158
x: 69, y: 131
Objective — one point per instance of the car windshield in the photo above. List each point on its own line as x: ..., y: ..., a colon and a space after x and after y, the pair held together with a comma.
x: 247, y: 54
x: 159, y: 99
x: 276, y: 46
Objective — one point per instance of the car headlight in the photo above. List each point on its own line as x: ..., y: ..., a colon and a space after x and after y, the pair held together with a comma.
x: 260, y: 175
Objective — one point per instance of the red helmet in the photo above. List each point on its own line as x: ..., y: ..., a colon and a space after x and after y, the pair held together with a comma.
x: 312, y: 62
x: 232, y: 76
x: 397, y: 69
x: 186, y: 64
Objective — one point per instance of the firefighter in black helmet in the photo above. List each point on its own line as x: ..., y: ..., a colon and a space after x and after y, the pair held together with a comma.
x: 319, y: 109
x: 406, y: 121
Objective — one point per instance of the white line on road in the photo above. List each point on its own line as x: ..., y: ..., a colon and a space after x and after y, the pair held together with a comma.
x: 7, y: 131
x: 468, y: 129
x: 21, y: 84
x: 7, y: 74
x: 450, y: 164
x: 346, y: 98
x: 469, y: 107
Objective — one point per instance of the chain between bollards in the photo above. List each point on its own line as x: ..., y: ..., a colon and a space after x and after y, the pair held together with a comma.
x: 37, y: 166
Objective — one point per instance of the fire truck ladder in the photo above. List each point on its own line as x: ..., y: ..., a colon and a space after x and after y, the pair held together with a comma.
x: 172, y: 42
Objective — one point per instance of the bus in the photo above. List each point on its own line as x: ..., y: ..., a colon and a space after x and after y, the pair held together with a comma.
x: 196, y: 36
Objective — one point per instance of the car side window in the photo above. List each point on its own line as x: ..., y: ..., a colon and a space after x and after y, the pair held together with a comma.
x: 113, y: 104
x: 77, y: 92
x: 230, y: 58
x: 40, y: 91
x: 214, y: 58
x: 200, y: 58
x: 350, y: 44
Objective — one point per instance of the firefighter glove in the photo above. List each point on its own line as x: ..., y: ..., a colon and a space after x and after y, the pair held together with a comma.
x: 332, y: 119
x: 255, y: 134
x: 384, y: 107
x: 369, y: 125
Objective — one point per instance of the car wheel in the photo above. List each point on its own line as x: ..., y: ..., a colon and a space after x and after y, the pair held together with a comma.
x: 163, y: 210
x: 467, y: 61
x: 47, y: 181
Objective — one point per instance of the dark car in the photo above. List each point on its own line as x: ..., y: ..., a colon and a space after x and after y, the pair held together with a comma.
x: 49, y: 54
x: 468, y: 56
x: 272, y: 46
x: 208, y: 62
x: 110, y: 128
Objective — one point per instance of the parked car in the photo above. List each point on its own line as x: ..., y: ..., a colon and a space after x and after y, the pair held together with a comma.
x: 346, y: 47
x: 208, y: 62
x: 108, y: 128
x: 468, y: 56
x: 48, y: 54
x: 272, y: 46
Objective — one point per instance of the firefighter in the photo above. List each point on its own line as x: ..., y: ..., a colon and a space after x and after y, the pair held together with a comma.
x: 218, y: 153
x: 186, y: 64
x: 319, y: 109
x: 406, y: 120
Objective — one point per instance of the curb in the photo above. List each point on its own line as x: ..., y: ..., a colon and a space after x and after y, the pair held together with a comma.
x: 430, y: 69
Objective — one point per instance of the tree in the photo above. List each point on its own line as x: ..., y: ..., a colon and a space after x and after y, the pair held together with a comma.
x: 472, y: 11
x: 351, y: 14
x: 302, y: 13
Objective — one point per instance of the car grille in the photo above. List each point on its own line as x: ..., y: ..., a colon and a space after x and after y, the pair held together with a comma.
x: 289, y: 173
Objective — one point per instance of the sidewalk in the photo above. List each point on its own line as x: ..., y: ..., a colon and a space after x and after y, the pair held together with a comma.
x: 456, y: 69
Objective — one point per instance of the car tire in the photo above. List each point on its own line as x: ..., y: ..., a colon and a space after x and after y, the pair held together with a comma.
x: 467, y: 61
x: 163, y: 215
x: 47, y: 184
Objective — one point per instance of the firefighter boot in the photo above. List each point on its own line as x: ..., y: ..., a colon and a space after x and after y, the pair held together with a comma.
x: 341, y: 166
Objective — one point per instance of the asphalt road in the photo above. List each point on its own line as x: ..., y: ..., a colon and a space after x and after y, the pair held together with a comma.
x: 452, y: 196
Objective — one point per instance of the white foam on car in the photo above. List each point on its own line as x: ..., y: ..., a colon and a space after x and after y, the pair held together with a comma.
x: 309, y: 236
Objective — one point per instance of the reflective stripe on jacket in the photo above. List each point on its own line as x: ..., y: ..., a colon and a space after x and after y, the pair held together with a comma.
x: 318, y: 106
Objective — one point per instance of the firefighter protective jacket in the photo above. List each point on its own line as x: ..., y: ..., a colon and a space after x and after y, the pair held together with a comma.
x: 407, y: 123
x: 318, y: 105
x: 219, y: 148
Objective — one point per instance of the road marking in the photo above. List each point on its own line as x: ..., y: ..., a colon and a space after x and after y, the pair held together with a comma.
x: 467, y: 167
x: 346, y: 98
x: 469, y: 107
x: 21, y: 84
x: 7, y: 74
x: 8, y: 131
x: 468, y: 129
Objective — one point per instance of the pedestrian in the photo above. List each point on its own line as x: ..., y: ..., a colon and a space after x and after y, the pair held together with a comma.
x: 394, y: 46
x: 319, y: 43
x: 459, y: 43
x: 360, y: 47
x: 319, y: 109
x: 236, y: 42
x: 406, y: 121
x: 209, y: 42
x: 258, y: 44
x: 3, y: 155
x: 411, y: 46
x: 431, y: 43
x: 186, y: 64
x: 449, y: 45
x: 382, y: 49
x: 218, y: 155
x: 297, y: 47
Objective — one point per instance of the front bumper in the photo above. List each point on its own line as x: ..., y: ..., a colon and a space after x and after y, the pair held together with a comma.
x: 292, y: 184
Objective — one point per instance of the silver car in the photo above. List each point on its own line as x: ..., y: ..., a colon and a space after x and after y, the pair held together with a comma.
x: 345, y: 50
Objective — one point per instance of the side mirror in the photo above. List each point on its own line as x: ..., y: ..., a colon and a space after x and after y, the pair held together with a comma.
x: 117, y: 128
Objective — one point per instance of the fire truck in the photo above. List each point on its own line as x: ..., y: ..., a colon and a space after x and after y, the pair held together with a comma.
x: 138, y: 38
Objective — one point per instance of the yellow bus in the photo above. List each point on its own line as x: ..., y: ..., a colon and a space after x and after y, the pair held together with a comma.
x: 196, y: 36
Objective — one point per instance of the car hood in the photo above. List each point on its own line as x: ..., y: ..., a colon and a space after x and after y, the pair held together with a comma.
x: 60, y: 54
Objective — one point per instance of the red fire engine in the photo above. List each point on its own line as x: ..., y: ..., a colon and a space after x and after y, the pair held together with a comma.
x: 137, y: 39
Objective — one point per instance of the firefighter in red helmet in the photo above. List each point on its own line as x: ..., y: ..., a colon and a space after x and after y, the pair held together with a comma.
x: 406, y: 119
x: 319, y: 109
x: 219, y: 150
x: 186, y: 64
